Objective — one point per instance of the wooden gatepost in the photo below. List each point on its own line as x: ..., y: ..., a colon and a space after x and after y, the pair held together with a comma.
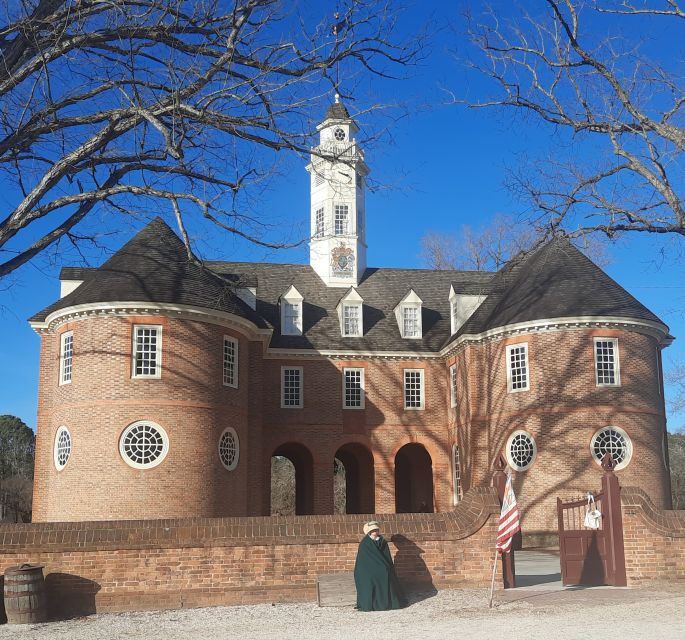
x: 593, y: 556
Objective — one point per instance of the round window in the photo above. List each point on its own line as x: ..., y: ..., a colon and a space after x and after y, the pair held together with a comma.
x: 521, y: 450
x: 615, y: 441
x: 62, y: 448
x: 229, y: 449
x: 339, y: 134
x: 143, y: 445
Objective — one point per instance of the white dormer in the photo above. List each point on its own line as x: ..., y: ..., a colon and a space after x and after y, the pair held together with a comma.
x: 351, y: 314
x: 67, y: 286
x: 462, y: 307
x: 408, y: 314
x: 291, y: 312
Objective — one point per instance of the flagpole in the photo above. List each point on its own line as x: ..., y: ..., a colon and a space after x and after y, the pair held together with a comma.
x: 492, y: 585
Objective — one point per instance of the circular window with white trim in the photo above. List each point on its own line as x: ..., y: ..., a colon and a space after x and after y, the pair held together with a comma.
x: 62, y: 449
x: 615, y: 441
x: 229, y: 448
x: 521, y: 450
x: 143, y: 445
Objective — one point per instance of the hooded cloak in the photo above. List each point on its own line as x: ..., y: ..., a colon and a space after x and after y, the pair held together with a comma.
x: 374, y: 576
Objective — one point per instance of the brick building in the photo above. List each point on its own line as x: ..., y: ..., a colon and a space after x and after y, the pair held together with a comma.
x: 166, y: 387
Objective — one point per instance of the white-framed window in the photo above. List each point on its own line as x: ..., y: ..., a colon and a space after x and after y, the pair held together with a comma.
x: 521, y: 450
x: 230, y: 362
x: 292, y: 396
x: 518, y: 374
x: 147, y: 351
x: 456, y: 475
x: 411, y: 322
x: 62, y: 448
x: 143, y: 445
x: 615, y: 441
x: 453, y: 385
x: 413, y: 389
x: 454, y: 316
x: 66, y: 357
x: 352, y: 320
x: 229, y: 448
x: 353, y: 388
x: 606, y: 362
x: 291, y: 312
x: 319, y: 221
x: 341, y: 217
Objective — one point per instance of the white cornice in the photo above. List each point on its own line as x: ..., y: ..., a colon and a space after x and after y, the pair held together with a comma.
x: 185, y: 312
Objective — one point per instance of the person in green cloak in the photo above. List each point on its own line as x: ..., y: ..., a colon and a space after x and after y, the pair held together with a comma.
x: 374, y: 573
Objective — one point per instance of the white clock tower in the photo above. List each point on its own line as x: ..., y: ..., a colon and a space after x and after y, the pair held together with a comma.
x: 337, y: 250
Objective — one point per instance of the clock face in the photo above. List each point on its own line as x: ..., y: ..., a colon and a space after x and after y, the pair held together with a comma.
x: 339, y: 134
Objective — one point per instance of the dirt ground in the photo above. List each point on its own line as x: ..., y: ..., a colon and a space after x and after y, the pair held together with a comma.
x: 628, y: 614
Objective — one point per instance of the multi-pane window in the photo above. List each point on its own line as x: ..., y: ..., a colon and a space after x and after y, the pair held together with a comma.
x: 411, y: 327
x: 66, y: 357
x: 353, y: 388
x: 352, y: 320
x: 230, y: 362
x: 319, y: 223
x: 291, y: 387
x: 517, y: 367
x: 454, y: 316
x: 291, y: 318
x: 147, y: 352
x: 456, y: 474
x: 615, y: 441
x: 341, y: 212
x: 521, y: 450
x: 413, y: 388
x: 606, y: 361
x: 453, y: 385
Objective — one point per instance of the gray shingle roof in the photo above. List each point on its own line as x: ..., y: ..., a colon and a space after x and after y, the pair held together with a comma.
x: 337, y: 111
x: 153, y: 267
x: 555, y: 281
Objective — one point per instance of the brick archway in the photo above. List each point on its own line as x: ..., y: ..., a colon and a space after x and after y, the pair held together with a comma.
x: 413, y: 479
x: 303, y: 462
x: 360, y: 495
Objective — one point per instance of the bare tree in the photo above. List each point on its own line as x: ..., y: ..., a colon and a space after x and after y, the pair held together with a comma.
x: 570, y: 63
x: 490, y: 247
x: 118, y: 105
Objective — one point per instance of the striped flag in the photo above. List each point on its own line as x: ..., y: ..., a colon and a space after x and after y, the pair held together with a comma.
x: 509, y: 523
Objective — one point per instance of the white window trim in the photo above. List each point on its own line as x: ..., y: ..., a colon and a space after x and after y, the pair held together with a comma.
x: 453, y: 385
x: 411, y: 300
x: 62, y: 340
x: 509, y: 348
x: 293, y: 297
x: 361, y: 382
x: 55, y: 453
x: 158, y: 359
x: 510, y: 460
x: 629, y: 446
x: 345, y: 220
x: 457, y: 488
x: 617, y: 365
x: 233, y: 432
x: 236, y: 346
x: 423, y: 390
x: 292, y: 406
x: 137, y: 465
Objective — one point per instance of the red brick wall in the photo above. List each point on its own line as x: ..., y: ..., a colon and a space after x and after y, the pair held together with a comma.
x: 110, y: 566
x: 654, y: 539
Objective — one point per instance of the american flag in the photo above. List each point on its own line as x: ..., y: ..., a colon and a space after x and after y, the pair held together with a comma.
x: 509, y: 523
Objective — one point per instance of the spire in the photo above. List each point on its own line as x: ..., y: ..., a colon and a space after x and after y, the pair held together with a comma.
x: 337, y: 111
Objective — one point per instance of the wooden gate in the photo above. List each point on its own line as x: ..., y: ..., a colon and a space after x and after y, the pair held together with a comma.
x: 589, y: 556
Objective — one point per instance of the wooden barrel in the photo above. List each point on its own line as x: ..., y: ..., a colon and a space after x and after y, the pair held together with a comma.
x: 25, y: 600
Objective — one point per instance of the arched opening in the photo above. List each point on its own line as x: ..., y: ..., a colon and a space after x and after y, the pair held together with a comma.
x: 360, y: 496
x: 292, y: 485
x: 413, y: 480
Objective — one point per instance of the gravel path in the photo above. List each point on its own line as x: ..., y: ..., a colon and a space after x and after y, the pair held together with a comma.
x: 455, y: 614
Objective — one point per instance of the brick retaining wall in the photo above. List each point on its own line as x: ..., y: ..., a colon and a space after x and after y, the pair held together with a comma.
x: 154, y: 564
x: 654, y: 539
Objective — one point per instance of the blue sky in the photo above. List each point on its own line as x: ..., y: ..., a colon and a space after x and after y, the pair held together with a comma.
x: 440, y: 167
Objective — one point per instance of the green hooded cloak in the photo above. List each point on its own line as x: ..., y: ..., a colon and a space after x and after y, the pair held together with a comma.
x: 375, y: 579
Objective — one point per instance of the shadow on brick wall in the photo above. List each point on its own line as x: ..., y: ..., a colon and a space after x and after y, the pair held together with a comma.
x: 70, y: 596
x: 412, y: 570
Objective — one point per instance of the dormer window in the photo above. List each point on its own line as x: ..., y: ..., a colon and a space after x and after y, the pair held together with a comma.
x: 408, y: 314
x: 291, y: 313
x: 350, y: 313
x: 462, y: 307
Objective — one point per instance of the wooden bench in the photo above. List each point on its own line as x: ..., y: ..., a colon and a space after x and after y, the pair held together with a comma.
x: 336, y: 590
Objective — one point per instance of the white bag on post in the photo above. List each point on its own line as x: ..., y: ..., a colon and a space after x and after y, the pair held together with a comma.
x: 593, y: 517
